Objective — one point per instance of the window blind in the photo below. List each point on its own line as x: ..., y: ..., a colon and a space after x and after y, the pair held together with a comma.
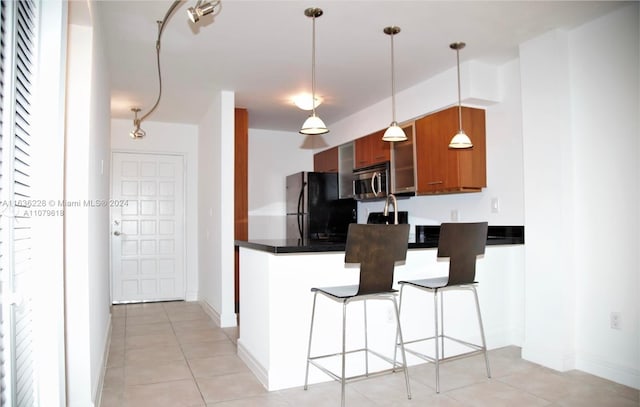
x: 18, y: 57
x: 3, y: 380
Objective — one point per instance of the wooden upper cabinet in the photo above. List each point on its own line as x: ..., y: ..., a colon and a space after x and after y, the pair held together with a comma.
x: 370, y: 150
x: 441, y: 169
x: 326, y: 161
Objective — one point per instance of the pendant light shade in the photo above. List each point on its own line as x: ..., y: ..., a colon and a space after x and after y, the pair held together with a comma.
x: 313, y: 124
x: 460, y: 140
x: 394, y: 132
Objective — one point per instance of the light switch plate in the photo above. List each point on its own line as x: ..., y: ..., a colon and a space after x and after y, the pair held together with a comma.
x: 495, y: 205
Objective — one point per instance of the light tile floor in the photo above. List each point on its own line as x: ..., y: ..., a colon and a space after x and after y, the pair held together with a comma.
x: 172, y: 354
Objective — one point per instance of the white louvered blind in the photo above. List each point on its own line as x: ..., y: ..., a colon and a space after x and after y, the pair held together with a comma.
x: 3, y: 376
x: 19, y: 36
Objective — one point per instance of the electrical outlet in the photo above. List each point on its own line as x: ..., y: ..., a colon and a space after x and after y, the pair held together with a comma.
x: 455, y: 215
x: 615, y: 320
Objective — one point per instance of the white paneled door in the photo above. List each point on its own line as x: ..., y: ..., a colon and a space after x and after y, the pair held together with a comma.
x: 147, y: 227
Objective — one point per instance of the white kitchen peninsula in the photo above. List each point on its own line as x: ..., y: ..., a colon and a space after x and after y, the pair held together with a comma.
x: 275, y: 304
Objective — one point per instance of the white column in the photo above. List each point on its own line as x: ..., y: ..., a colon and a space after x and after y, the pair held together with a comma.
x: 548, y: 142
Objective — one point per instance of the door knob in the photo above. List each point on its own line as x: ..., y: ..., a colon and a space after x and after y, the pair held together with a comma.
x: 116, y: 233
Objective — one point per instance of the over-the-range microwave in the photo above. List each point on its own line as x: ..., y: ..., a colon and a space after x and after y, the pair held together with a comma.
x: 371, y: 182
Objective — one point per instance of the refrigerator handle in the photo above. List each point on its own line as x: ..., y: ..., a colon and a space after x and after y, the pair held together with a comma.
x: 299, y: 214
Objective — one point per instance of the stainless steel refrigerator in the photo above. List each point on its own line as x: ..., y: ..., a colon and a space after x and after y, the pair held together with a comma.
x: 314, y: 211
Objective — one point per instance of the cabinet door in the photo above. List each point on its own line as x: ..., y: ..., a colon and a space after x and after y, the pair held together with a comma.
x: 431, y: 154
x: 402, y: 165
x: 326, y: 161
x: 370, y: 150
x: 362, y: 152
x: 380, y: 150
x: 444, y: 170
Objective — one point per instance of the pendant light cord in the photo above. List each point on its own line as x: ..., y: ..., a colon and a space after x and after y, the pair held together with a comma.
x: 393, y: 83
x: 313, y: 66
x: 459, y: 97
x: 161, y: 25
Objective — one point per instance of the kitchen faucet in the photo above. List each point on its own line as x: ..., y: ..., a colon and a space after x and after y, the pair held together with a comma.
x: 395, y: 208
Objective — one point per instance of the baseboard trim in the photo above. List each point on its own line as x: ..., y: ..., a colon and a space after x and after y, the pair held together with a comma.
x: 600, y: 367
x: 229, y: 322
x: 213, y: 314
x: 258, y: 370
x: 97, y: 398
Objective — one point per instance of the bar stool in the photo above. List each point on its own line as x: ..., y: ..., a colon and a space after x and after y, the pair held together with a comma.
x: 376, y: 248
x: 461, y: 243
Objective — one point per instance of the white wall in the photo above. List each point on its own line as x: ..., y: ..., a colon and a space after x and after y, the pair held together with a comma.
x: 605, y: 109
x: 171, y: 138
x: 48, y: 185
x: 272, y: 156
x: 216, y: 134
x: 86, y: 229
x: 580, y: 130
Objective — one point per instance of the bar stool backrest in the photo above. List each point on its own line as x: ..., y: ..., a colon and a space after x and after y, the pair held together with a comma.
x: 376, y: 248
x: 462, y: 243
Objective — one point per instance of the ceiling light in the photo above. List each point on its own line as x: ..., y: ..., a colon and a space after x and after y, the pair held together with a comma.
x: 201, y: 9
x: 313, y: 124
x: 460, y: 140
x: 304, y: 101
x: 136, y: 132
x: 394, y: 132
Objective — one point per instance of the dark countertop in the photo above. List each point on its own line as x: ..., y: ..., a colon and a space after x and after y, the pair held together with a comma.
x: 498, y: 235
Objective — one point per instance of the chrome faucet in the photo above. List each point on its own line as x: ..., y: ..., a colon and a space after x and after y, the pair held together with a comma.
x: 395, y: 208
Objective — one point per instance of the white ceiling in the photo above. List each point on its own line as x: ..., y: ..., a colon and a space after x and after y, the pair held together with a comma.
x: 261, y: 50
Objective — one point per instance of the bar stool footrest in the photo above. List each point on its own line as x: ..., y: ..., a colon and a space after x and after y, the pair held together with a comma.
x: 396, y: 366
x: 477, y: 349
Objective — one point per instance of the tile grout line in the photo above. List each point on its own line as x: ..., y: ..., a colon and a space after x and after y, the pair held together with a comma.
x: 193, y: 376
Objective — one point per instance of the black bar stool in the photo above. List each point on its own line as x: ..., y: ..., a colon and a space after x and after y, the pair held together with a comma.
x: 461, y: 243
x: 376, y: 248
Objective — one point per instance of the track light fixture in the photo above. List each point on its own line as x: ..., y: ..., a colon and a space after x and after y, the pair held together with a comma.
x: 201, y: 9
x: 460, y: 140
x: 313, y: 124
x: 136, y: 132
x: 394, y: 132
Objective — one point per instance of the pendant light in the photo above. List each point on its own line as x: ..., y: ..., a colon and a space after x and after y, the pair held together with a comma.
x: 394, y: 132
x: 313, y: 124
x: 460, y: 140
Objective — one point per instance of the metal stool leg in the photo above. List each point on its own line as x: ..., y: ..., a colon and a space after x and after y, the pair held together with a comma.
x: 313, y: 313
x: 398, y: 340
x: 402, y: 352
x: 436, y: 338
x: 344, y: 344
x: 366, y: 342
x: 442, y: 324
x: 484, y: 343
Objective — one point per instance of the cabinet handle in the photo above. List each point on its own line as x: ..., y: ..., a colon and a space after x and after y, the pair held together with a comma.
x: 435, y: 182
